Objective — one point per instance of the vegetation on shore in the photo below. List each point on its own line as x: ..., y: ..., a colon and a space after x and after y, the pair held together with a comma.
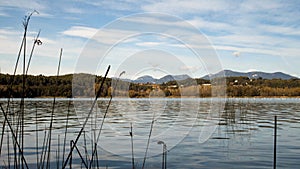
x: 45, y: 86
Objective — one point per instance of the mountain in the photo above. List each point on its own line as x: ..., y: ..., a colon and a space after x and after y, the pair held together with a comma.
x: 167, y: 78
x: 228, y: 73
x: 252, y: 75
x: 145, y: 79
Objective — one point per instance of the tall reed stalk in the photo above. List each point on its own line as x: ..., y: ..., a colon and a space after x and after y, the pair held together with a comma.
x: 36, y: 136
x: 66, y: 129
x: 52, y: 113
x: 132, y: 152
x: 86, y: 120
x: 42, y: 158
x: 104, y: 116
x: 14, y: 137
x: 275, y: 142
x: 148, y: 142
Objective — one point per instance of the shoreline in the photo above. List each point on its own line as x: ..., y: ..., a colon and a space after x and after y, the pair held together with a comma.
x: 91, y: 98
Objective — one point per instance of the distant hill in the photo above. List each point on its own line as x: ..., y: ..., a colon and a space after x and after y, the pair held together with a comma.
x: 252, y: 75
x: 227, y: 73
x: 145, y: 79
x: 167, y: 78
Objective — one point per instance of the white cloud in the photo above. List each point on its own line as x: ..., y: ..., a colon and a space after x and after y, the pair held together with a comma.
x: 149, y: 44
x: 105, y: 36
x: 45, y: 56
x: 6, y: 31
x: 29, y: 4
x: 204, y: 24
x: 120, y: 5
x: 80, y: 31
x: 73, y: 10
x: 281, y: 30
x: 253, y: 6
x: 253, y: 28
x: 182, y: 7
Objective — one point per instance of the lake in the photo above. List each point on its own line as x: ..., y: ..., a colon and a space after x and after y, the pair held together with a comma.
x: 198, y: 133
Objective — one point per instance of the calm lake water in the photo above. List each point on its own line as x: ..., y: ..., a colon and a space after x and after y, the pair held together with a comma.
x: 196, y: 133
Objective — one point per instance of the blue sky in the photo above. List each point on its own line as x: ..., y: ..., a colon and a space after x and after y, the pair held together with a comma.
x: 246, y: 35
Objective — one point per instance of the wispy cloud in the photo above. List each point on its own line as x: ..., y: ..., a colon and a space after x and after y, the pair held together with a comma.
x: 73, y: 10
x: 119, y: 5
x: 149, y: 44
x: 29, y: 4
x: 244, y: 28
x: 193, y: 6
x: 3, y: 13
x: 81, y: 31
x: 281, y: 30
x: 105, y: 36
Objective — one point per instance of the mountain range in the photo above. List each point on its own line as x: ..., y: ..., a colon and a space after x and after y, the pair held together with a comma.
x: 251, y: 75
x: 167, y: 78
x: 227, y: 73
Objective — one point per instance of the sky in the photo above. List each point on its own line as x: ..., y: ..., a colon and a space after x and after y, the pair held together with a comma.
x: 195, y: 37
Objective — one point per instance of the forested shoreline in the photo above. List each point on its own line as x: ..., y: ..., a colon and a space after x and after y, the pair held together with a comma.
x: 61, y: 86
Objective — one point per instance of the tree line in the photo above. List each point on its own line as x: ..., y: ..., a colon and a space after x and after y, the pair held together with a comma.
x: 86, y: 85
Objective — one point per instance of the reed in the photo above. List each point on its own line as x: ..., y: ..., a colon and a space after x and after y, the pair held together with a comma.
x: 85, y: 147
x: 58, y: 147
x: 14, y: 137
x: 66, y: 129
x: 35, y: 42
x: 163, y: 154
x: 275, y: 142
x: 36, y: 137
x: 104, y: 116
x: 15, y: 127
x: 71, y: 145
x: 8, y: 144
x: 23, y: 46
x: 52, y: 113
x: 148, y: 141
x: 132, y: 152
x: 81, y: 157
x: 86, y: 120
x: 97, y: 161
x: 2, y: 135
x: 44, y: 154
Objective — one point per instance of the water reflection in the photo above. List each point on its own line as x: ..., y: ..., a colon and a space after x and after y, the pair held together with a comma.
x: 243, y: 139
